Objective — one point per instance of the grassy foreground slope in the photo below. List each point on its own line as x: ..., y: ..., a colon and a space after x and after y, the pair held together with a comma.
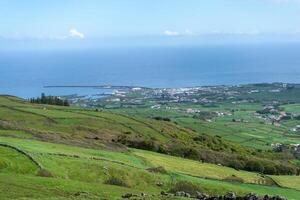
x: 50, y: 152
x: 74, y: 172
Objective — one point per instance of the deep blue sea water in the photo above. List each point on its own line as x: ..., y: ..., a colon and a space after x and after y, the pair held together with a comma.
x: 24, y: 73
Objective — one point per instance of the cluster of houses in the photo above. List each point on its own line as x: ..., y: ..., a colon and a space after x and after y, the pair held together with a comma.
x: 296, y: 129
x: 281, y: 147
x: 271, y: 114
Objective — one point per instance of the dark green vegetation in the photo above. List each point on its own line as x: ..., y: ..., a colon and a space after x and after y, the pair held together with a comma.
x: 55, y: 152
x: 51, y: 100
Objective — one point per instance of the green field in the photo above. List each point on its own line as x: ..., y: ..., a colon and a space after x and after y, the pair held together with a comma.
x: 253, y: 132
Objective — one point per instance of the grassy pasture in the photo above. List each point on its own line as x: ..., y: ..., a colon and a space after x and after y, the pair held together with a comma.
x: 198, y: 169
x: 11, y: 161
x: 291, y: 108
x: 288, y: 181
x: 75, y: 169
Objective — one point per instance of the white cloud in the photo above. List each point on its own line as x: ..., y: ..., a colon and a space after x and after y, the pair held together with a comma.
x: 171, y: 33
x: 73, y: 33
x: 76, y: 34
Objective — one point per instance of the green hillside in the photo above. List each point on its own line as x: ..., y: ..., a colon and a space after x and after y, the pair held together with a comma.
x: 68, y: 170
x: 70, y: 153
x: 108, y: 130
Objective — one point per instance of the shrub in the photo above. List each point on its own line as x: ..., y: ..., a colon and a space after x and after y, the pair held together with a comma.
x: 234, y: 178
x: 188, y: 187
x: 236, y: 164
x: 270, y: 168
x: 162, y: 119
x: 254, y: 165
x: 201, y: 138
x: 44, y: 173
x: 149, y: 145
x: 286, y: 169
x: 116, y: 181
x: 160, y: 170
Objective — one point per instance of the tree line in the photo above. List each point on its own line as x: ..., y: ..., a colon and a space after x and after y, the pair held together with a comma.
x: 51, y: 100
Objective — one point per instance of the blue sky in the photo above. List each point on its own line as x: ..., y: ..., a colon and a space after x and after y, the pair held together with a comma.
x: 103, y: 19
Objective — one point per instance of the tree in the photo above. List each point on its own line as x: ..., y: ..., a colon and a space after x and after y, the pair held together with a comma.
x: 51, y: 100
x: 66, y: 103
x: 43, y: 98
